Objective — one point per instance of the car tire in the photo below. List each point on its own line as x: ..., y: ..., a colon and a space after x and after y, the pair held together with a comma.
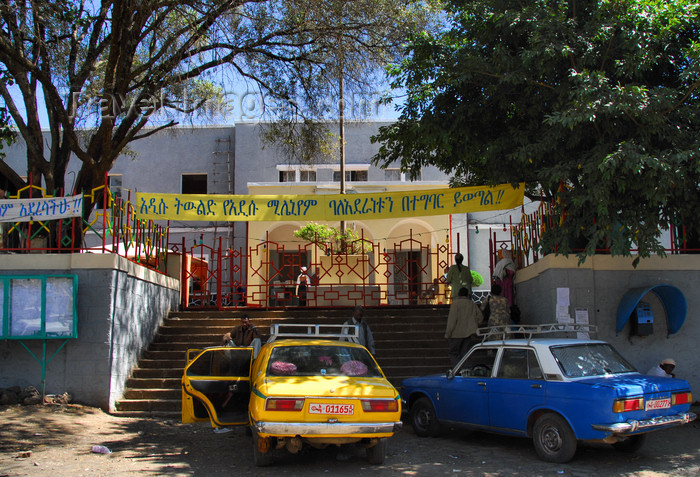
x: 377, y: 453
x: 631, y: 444
x: 553, y: 438
x: 424, y: 418
x: 261, y: 459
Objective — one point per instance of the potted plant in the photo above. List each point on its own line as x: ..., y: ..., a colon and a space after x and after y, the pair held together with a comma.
x: 332, y: 240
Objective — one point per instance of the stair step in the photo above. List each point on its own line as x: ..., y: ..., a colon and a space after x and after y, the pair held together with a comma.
x: 152, y: 394
x: 148, y: 405
x: 157, y: 373
x: 154, y: 383
x: 173, y: 414
x: 409, y: 342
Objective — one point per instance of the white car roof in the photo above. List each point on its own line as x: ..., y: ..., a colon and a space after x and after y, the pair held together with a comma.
x: 539, y: 342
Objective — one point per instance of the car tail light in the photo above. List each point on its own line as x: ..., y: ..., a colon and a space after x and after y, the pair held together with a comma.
x: 380, y: 405
x: 274, y: 404
x: 626, y: 405
x: 681, y: 398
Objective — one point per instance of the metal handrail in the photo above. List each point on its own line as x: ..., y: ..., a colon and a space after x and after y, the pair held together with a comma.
x: 310, y: 331
x: 503, y: 332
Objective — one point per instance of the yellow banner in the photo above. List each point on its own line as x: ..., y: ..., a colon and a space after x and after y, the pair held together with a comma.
x: 331, y: 207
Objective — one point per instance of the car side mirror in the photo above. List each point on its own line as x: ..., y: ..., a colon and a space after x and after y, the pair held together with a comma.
x: 450, y: 374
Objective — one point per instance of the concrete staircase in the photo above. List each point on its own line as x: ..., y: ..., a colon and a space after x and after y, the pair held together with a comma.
x: 408, y: 341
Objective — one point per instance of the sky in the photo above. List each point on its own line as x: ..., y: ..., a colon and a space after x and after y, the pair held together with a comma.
x: 244, y: 104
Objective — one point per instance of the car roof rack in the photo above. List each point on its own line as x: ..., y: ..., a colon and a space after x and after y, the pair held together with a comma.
x: 295, y: 330
x: 504, y: 332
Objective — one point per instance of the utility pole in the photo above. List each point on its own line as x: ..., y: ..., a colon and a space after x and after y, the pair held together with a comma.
x: 341, y: 121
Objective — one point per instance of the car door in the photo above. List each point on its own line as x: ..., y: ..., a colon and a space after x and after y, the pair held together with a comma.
x: 465, y: 397
x: 216, y: 386
x: 517, y: 388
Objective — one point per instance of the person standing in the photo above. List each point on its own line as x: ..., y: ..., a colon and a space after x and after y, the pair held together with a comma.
x: 498, y: 309
x: 504, y: 273
x: 459, y: 276
x: 365, y: 334
x: 462, y: 323
x: 303, y: 281
x: 664, y: 369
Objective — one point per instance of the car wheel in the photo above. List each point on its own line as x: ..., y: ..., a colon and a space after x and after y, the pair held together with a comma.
x: 260, y: 458
x: 631, y: 444
x: 424, y: 419
x: 377, y: 453
x: 554, y: 440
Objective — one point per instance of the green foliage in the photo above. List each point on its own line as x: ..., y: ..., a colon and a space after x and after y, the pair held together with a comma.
x: 346, y: 81
x: 305, y: 141
x: 110, y: 72
x: 594, y: 104
x: 333, y: 240
x: 7, y: 135
x: 477, y: 279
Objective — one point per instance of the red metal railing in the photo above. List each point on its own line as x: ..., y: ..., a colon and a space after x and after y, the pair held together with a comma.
x: 119, y: 231
x: 525, y: 236
x: 265, y: 275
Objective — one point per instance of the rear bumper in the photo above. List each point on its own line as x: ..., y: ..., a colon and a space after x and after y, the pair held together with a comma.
x: 630, y: 427
x: 325, y: 428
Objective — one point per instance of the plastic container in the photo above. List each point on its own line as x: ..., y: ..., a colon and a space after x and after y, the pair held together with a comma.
x: 101, y: 450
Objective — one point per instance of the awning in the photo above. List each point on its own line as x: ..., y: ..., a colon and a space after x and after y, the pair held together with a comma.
x: 671, y: 297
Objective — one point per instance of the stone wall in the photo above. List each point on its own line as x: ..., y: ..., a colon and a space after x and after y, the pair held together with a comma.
x: 599, y: 284
x: 120, y: 306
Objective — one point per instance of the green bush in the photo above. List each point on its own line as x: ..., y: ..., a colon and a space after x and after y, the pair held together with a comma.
x: 332, y: 240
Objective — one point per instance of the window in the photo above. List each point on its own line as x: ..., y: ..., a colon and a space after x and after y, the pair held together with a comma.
x: 296, y: 174
x: 478, y: 364
x: 287, y: 176
x: 594, y: 359
x: 114, y: 184
x: 351, y: 176
x: 519, y: 364
x: 321, y: 361
x: 393, y: 175
x: 194, y: 183
x: 307, y: 176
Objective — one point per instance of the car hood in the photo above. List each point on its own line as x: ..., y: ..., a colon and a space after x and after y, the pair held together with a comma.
x: 637, y: 384
x: 326, y: 386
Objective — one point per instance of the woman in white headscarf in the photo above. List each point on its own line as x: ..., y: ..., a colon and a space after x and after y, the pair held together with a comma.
x: 503, y: 274
x: 303, y: 281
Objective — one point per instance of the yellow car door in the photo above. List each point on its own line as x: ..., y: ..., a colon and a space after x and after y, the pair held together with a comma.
x: 216, y: 386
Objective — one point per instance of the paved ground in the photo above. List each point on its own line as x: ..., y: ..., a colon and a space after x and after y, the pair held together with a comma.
x: 57, y: 441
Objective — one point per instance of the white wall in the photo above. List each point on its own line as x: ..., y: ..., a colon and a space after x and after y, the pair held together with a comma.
x: 599, y: 284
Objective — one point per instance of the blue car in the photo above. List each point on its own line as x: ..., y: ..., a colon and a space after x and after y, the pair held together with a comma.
x: 556, y: 391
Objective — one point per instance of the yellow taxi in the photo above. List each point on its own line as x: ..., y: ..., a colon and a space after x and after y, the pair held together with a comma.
x: 307, y: 386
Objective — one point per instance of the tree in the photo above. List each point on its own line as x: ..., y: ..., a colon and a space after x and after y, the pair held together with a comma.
x: 349, y: 80
x: 595, y: 104
x: 7, y: 136
x: 105, y: 68
x: 6, y: 133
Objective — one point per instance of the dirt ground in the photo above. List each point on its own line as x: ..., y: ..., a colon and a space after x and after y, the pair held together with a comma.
x: 54, y: 440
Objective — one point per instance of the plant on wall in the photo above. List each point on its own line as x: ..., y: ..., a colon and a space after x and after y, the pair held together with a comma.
x: 332, y: 240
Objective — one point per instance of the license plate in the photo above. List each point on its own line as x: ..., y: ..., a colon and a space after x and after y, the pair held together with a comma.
x: 657, y: 404
x: 336, y: 409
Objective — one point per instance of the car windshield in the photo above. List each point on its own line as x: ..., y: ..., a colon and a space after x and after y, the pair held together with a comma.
x: 592, y: 359
x: 321, y: 361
